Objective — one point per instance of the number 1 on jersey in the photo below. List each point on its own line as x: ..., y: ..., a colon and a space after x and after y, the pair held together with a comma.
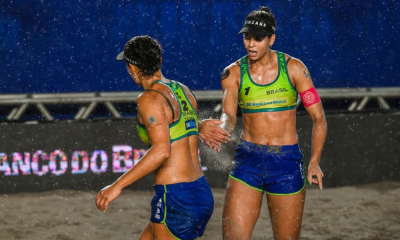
x: 247, y: 91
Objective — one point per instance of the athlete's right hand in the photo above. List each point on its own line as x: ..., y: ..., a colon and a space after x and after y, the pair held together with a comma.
x: 105, y: 196
x: 212, y: 134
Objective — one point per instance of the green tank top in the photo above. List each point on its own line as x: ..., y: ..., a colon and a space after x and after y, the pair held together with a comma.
x: 276, y: 96
x: 185, y: 126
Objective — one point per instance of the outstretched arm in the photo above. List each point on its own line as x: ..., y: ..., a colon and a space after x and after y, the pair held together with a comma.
x: 150, y: 107
x: 304, y: 86
x: 212, y: 131
x: 230, y: 88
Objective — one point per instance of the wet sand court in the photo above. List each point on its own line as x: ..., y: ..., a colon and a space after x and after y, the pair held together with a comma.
x: 369, y: 212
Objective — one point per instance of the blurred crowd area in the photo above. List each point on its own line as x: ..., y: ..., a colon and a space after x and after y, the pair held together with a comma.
x: 70, y: 46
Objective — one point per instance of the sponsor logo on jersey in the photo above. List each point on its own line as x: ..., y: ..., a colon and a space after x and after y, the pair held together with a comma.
x: 280, y: 90
x: 188, y: 113
x: 260, y: 104
x: 190, y: 124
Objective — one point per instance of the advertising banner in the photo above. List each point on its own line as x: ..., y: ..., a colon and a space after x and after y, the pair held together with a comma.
x: 359, y: 149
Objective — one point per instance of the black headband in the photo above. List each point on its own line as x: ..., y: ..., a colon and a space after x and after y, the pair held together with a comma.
x: 130, y: 61
x: 259, y: 23
x: 121, y: 56
x: 257, y: 27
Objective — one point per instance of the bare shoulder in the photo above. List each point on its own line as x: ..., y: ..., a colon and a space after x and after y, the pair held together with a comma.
x: 186, y: 89
x: 189, y: 93
x: 235, y: 66
x: 299, y: 75
x: 294, y: 64
x: 232, y: 69
x: 149, y: 99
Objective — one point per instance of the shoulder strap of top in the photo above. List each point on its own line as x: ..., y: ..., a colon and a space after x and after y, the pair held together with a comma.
x: 287, y: 61
x: 243, y: 68
x: 243, y: 60
x: 169, y: 103
x: 238, y: 62
x: 281, y: 61
x: 156, y: 81
x: 192, y: 94
x: 281, y: 56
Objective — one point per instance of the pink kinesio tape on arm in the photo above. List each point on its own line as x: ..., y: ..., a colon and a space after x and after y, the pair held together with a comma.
x: 310, y: 97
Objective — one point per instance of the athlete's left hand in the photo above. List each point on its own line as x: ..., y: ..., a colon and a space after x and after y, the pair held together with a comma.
x: 105, y: 196
x: 315, y: 170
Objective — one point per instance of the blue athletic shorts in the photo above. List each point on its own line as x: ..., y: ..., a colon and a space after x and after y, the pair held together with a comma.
x: 184, y: 208
x: 276, y: 170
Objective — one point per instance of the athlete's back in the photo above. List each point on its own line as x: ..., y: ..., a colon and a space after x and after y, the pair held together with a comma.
x: 181, y: 111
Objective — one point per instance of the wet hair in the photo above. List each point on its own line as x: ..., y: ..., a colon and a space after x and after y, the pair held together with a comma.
x: 265, y: 13
x: 146, y: 53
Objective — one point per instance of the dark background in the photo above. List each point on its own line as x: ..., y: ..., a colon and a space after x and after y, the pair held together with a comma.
x: 70, y: 46
x: 359, y: 149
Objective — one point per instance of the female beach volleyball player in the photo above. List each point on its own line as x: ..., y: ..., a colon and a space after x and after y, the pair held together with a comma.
x: 167, y: 120
x: 268, y: 159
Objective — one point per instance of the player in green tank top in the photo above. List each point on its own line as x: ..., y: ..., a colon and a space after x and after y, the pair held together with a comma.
x: 278, y: 95
x: 186, y: 124
x: 265, y: 84
x: 167, y: 116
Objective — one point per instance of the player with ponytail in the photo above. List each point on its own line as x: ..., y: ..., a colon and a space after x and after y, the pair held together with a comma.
x: 266, y: 83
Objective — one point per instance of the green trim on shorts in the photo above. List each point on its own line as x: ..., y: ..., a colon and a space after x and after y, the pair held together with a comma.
x: 165, y: 204
x: 301, y: 151
x: 165, y: 213
x: 288, y: 194
x: 171, y: 232
x: 246, y: 184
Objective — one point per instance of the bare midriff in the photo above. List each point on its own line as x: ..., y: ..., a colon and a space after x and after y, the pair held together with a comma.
x: 270, y: 128
x: 183, y: 164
